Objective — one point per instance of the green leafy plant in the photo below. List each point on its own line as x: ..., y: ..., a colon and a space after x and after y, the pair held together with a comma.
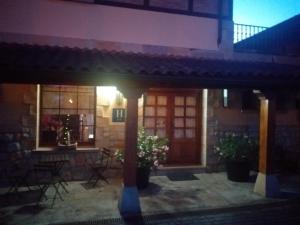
x: 151, y: 150
x: 236, y: 147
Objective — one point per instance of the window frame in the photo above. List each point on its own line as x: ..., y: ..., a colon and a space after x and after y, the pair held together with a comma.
x: 93, y: 109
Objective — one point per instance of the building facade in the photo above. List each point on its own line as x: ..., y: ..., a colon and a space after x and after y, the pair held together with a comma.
x: 75, y: 64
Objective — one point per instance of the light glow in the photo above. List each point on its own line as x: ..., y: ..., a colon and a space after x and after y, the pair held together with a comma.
x: 107, y: 94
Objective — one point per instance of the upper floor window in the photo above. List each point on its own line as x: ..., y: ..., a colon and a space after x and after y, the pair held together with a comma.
x: 71, y: 106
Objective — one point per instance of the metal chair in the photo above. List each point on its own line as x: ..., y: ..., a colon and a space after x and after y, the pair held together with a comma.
x: 98, y: 166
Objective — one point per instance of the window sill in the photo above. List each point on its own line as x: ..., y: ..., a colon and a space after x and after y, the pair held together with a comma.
x: 47, y: 149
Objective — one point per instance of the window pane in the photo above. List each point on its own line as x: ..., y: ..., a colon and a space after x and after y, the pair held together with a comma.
x: 50, y: 122
x: 178, y: 133
x: 60, y: 103
x: 190, y: 133
x: 190, y: 111
x: 68, y: 111
x: 149, y: 122
x: 50, y: 111
x: 191, y: 101
x: 86, y: 118
x: 136, y: 2
x: 49, y: 127
x: 160, y: 122
x: 149, y: 111
x: 149, y: 131
x: 68, y: 100
x: 161, y: 100
x: 86, y: 134
x: 179, y: 111
x: 150, y: 100
x: 205, y: 6
x: 161, y: 132
x: 178, y: 122
x: 68, y: 88
x: 85, y: 101
x: 50, y: 100
x: 190, y: 122
x: 161, y: 111
x: 170, y: 4
x: 179, y: 100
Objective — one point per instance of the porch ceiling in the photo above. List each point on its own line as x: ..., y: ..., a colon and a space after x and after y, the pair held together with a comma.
x: 23, y: 63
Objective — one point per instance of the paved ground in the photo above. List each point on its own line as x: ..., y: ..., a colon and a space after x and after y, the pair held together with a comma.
x: 200, y: 197
x: 265, y: 214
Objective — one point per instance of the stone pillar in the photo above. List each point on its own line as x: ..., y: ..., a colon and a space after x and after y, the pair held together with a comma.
x: 266, y: 182
x: 129, y: 204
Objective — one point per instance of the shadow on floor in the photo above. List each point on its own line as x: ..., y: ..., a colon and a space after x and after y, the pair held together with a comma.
x: 19, y: 198
x: 134, y: 220
x: 151, y: 190
x: 30, y: 209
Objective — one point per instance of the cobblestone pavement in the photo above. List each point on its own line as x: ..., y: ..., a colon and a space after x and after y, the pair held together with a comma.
x: 280, y: 213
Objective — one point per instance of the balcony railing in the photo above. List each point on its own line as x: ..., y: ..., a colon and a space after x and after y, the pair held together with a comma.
x: 243, y: 31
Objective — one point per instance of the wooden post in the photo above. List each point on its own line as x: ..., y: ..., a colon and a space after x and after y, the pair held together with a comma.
x: 129, y: 204
x: 266, y: 182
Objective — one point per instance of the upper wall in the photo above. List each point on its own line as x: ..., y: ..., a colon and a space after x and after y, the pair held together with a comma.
x: 65, y: 19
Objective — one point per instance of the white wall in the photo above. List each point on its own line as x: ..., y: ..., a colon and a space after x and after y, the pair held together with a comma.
x: 105, y: 23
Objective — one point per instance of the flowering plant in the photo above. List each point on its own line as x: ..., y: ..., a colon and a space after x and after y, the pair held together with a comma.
x: 151, y: 150
x: 50, y: 122
x: 236, y: 147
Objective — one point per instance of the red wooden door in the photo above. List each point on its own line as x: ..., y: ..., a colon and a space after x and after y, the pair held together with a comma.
x: 175, y: 116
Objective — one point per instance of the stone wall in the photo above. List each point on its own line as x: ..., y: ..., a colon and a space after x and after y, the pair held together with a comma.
x: 18, y: 113
x: 222, y: 120
x: 112, y: 134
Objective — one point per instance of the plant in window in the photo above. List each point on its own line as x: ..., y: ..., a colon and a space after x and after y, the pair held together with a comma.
x: 50, y: 123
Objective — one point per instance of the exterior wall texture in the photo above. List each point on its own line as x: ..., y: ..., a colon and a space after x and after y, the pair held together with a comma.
x: 106, y: 23
x: 18, y: 113
x: 222, y: 120
x: 18, y: 110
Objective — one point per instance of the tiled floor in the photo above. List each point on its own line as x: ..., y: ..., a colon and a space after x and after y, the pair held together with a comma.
x: 83, y: 203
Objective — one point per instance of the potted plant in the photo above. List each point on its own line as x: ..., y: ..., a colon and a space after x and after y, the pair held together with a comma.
x: 151, y: 150
x: 238, y: 150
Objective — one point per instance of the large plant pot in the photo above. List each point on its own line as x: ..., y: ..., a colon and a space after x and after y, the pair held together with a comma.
x: 238, y: 170
x: 142, y: 177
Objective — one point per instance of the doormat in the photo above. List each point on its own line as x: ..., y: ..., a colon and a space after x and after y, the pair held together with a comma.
x: 181, y: 176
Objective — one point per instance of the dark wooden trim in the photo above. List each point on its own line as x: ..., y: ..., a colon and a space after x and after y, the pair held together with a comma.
x: 191, y: 5
x: 245, y: 80
x: 146, y: 3
x: 220, y: 24
x: 160, y: 9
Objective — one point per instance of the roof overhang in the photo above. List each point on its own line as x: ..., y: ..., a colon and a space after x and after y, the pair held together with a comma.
x: 20, y: 63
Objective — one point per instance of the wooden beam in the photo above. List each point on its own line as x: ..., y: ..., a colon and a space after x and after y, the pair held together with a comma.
x: 129, y: 204
x: 266, y: 182
x: 266, y: 134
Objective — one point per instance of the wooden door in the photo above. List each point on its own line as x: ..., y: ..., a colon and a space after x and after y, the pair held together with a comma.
x: 175, y: 116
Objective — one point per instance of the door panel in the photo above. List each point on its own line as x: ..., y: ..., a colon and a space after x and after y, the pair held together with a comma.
x: 175, y: 116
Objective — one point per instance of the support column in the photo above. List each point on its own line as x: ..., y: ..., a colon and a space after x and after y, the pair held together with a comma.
x: 266, y: 182
x: 129, y: 204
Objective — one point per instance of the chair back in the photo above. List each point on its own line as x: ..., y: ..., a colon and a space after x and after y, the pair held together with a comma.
x: 107, y: 157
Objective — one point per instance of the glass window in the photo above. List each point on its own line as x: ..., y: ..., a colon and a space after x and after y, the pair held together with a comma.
x: 67, y: 109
